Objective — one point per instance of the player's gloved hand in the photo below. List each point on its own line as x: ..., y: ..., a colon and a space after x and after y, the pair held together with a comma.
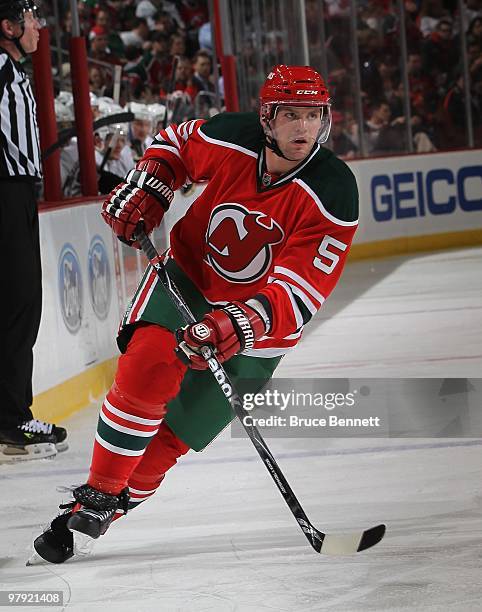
x: 228, y: 331
x: 144, y: 195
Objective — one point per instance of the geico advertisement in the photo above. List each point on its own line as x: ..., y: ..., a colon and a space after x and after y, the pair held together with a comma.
x: 416, y: 195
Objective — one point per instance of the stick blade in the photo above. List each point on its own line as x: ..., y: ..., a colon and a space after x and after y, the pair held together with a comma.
x: 350, y: 543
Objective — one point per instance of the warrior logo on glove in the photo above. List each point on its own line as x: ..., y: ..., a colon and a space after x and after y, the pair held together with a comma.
x: 200, y: 331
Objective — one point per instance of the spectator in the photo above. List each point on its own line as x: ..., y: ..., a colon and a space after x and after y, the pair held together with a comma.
x: 140, y: 130
x: 157, y: 60
x: 135, y: 70
x: 453, y: 132
x: 412, y: 31
x: 430, y: 14
x: 473, y: 9
x: 103, y: 26
x: 205, y: 39
x: 137, y: 35
x: 474, y: 33
x: 423, y: 93
x: 440, y: 54
x: 112, y: 153
x: 146, y: 10
x: 196, y: 20
x: 97, y: 81
x: 342, y: 145
x: 164, y: 22
x: 99, y: 49
x: 383, y: 136
x: 183, y: 81
x: 177, y: 44
x: 202, y: 65
x: 370, y: 47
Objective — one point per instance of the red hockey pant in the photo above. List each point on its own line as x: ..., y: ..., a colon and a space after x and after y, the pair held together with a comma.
x: 133, y: 447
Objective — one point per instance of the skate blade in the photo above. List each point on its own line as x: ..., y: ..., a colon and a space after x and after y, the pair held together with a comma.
x: 83, y: 544
x: 61, y: 447
x: 36, y: 559
x: 13, y: 454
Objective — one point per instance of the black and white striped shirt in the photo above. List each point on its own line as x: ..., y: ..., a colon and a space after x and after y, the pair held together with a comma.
x: 19, y: 136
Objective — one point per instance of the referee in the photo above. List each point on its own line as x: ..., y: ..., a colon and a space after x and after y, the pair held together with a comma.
x: 21, y: 436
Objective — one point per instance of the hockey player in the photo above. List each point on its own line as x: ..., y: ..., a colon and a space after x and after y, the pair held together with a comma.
x: 255, y: 257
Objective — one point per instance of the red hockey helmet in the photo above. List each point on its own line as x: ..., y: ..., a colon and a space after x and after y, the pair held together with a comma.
x: 295, y: 86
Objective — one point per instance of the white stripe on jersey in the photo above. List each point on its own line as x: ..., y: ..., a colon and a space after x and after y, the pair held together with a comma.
x: 173, y: 136
x: 301, y: 281
x: 267, y: 353
x: 166, y: 148
x: 228, y: 145
x: 322, y: 209
x: 294, y: 305
x: 182, y: 131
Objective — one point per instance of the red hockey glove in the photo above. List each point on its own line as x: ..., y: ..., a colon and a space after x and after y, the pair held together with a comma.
x: 144, y: 196
x: 227, y: 330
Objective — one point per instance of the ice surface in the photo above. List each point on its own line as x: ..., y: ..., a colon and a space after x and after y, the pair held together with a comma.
x: 218, y: 537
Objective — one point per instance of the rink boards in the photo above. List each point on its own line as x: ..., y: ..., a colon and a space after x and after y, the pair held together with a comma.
x: 409, y: 203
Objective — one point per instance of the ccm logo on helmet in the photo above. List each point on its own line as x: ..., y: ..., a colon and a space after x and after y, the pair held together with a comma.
x: 306, y: 92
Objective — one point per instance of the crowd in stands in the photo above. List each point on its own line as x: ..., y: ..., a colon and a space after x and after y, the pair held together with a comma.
x: 164, y: 51
x: 143, y: 37
x: 434, y: 65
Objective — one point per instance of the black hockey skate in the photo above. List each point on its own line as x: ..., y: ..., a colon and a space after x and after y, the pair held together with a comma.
x: 56, y: 544
x: 37, y: 427
x: 21, y: 445
x: 96, y: 511
x: 85, y: 518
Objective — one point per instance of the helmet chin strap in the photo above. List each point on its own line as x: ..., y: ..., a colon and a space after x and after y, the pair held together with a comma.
x: 272, y: 144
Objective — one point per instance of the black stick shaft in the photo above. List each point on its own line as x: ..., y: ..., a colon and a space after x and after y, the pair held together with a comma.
x: 314, y: 537
x: 172, y: 84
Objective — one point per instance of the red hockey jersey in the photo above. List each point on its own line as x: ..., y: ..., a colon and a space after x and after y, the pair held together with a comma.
x: 284, y: 243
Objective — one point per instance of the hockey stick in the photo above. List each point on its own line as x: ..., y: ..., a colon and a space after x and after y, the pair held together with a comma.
x: 343, y: 544
x: 171, y: 85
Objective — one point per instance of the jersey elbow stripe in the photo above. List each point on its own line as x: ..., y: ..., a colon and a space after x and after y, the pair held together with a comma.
x: 308, y: 287
x: 320, y: 206
x: 298, y: 316
x: 166, y: 147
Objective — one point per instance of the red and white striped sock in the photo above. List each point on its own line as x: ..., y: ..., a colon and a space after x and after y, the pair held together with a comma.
x: 148, y: 376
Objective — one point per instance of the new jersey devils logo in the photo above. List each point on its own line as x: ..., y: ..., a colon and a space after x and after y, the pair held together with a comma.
x: 239, y: 242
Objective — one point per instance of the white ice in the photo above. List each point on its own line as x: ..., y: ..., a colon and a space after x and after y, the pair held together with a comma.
x: 218, y: 537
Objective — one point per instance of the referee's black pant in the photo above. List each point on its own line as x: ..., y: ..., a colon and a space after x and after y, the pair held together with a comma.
x: 21, y: 298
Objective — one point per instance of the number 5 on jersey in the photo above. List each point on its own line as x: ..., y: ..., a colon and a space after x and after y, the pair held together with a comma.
x: 324, y: 251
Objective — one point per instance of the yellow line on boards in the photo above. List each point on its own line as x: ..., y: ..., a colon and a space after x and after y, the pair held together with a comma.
x: 61, y: 401
x: 412, y: 244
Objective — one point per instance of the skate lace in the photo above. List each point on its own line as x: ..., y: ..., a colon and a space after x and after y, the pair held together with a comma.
x: 36, y: 426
